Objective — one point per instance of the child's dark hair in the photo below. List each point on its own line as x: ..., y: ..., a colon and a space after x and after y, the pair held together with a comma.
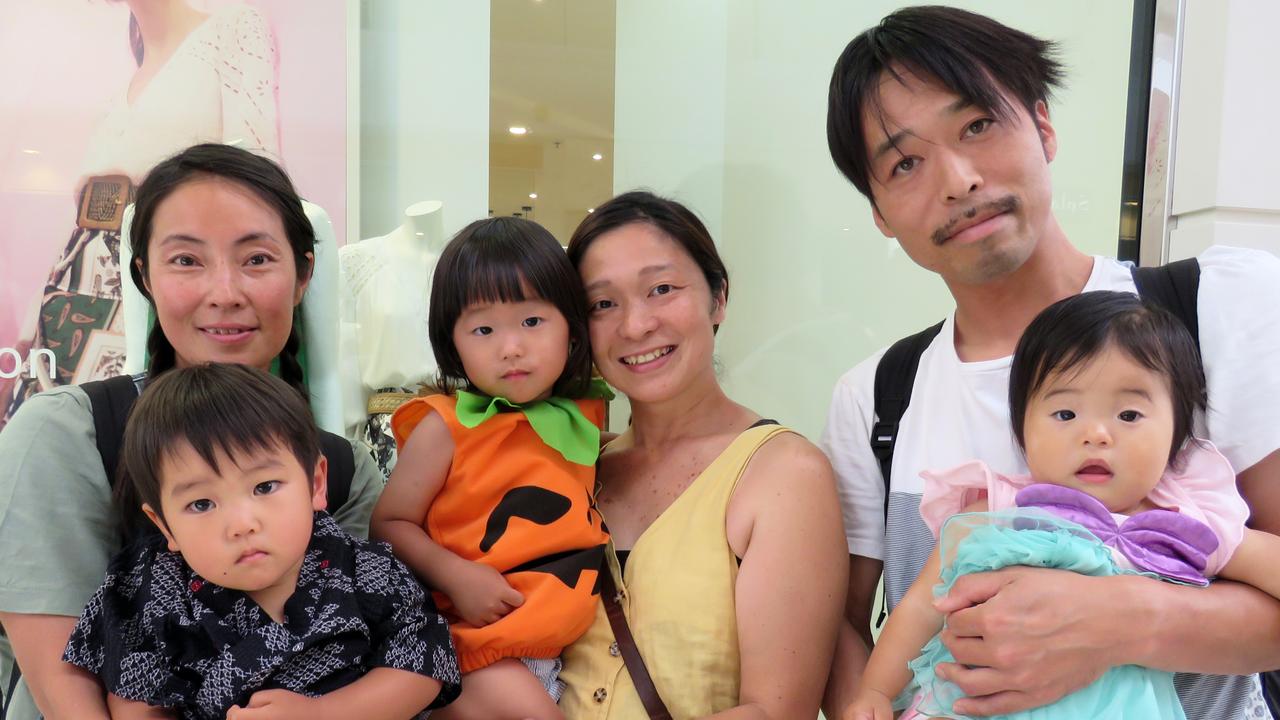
x: 218, y: 407
x: 1071, y: 332
x: 969, y: 54
x: 507, y: 259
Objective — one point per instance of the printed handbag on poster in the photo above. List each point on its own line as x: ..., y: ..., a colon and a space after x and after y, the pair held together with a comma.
x: 103, y: 200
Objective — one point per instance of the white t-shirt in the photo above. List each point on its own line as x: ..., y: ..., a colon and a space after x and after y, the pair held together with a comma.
x: 960, y: 411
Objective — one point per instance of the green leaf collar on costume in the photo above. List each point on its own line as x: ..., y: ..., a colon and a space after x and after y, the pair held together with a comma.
x: 558, y: 421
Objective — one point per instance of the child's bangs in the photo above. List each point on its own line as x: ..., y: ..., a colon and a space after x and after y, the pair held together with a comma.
x: 223, y: 430
x: 1139, y: 338
x: 1065, y: 362
x: 494, y: 280
x: 224, y: 411
x: 1132, y: 335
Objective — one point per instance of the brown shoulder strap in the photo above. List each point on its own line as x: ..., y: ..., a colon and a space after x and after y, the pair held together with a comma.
x: 653, y: 704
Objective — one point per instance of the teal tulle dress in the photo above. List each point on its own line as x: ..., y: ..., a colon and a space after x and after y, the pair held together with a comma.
x: 979, y: 542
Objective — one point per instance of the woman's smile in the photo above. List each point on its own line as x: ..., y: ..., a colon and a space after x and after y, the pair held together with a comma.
x: 225, y: 333
x: 648, y: 360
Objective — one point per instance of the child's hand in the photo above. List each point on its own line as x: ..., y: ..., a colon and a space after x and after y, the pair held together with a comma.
x: 275, y: 705
x: 480, y: 594
x: 868, y: 705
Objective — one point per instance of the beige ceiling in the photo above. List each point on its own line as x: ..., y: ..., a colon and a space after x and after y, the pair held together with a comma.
x: 551, y: 72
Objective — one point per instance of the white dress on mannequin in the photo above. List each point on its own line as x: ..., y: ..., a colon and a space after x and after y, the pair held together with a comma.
x: 386, y: 285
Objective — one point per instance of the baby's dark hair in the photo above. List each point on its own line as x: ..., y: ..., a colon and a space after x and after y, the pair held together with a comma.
x: 1071, y: 332
x: 507, y: 259
x: 218, y: 407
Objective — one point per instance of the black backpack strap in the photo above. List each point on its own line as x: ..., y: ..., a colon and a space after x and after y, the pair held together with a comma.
x: 1174, y: 287
x: 342, y: 468
x: 110, y: 401
x: 6, y: 696
x: 895, y: 376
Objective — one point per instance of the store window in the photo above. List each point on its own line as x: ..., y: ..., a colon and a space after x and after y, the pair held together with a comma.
x: 387, y: 112
x: 551, y: 110
x: 722, y: 105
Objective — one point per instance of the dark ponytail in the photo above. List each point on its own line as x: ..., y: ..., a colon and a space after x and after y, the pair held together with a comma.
x: 290, y: 365
x: 161, y: 353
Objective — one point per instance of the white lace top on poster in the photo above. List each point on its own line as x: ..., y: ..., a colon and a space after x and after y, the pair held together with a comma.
x: 219, y: 86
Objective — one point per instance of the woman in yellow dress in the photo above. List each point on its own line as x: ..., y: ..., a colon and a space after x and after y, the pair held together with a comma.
x: 730, y: 557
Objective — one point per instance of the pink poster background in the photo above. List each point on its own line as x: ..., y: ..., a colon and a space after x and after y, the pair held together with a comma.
x: 62, y: 62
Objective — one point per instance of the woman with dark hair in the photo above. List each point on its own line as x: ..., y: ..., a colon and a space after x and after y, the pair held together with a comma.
x: 200, y: 78
x: 223, y: 250
x: 728, y: 552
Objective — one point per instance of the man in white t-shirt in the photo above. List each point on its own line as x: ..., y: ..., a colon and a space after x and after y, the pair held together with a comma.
x: 939, y: 117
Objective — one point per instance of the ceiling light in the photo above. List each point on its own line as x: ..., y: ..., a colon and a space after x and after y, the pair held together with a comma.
x: 29, y: 151
x: 597, y: 156
x: 533, y: 196
x: 517, y: 130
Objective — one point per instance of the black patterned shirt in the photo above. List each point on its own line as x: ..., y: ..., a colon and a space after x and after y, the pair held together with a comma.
x: 157, y: 632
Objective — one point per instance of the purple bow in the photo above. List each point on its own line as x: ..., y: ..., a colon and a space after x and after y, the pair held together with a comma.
x: 1164, y: 542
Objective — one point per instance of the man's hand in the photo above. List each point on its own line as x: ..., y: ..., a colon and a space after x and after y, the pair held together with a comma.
x: 276, y: 705
x: 1025, y: 637
x: 869, y: 705
x: 480, y: 595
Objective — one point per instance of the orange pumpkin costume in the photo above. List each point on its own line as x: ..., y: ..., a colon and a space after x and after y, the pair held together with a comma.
x: 514, y: 503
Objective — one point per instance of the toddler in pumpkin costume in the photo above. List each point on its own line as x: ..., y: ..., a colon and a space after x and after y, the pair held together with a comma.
x: 491, y: 501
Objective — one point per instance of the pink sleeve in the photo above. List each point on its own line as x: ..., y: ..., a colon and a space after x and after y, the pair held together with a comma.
x: 1201, y: 484
x: 949, y: 492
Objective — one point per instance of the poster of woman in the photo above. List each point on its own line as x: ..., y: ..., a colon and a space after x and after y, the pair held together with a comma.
x: 92, y: 94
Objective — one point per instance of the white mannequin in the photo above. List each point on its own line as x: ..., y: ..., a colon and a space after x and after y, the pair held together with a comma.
x: 420, y: 237
x: 386, y: 285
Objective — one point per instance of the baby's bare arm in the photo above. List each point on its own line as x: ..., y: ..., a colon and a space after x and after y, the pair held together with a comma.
x: 1254, y: 562
x: 911, y: 624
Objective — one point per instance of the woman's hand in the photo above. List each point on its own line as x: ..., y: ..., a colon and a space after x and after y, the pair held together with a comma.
x: 480, y: 594
x: 869, y: 704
